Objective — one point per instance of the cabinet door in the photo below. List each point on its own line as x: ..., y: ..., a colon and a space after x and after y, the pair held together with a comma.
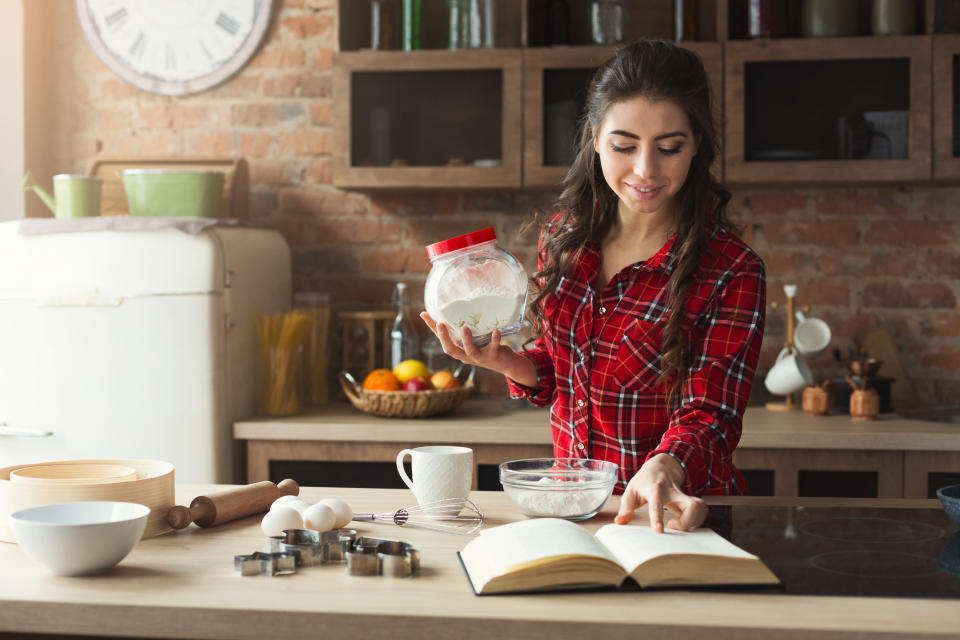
x: 828, y: 110
x: 439, y: 119
x: 555, y: 91
x: 946, y: 107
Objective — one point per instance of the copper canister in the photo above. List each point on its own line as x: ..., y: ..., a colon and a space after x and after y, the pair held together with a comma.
x: 864, y: 404
x: 816, y: 401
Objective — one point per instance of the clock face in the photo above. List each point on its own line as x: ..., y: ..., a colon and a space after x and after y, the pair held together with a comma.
x: 174, y: 47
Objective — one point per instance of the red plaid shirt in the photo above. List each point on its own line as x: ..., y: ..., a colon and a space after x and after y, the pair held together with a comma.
x: 599, y: 359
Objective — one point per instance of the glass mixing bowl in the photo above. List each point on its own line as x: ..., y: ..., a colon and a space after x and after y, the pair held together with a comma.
x: 569, y: 488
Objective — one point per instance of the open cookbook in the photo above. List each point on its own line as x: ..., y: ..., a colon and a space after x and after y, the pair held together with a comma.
x: 546, y: 554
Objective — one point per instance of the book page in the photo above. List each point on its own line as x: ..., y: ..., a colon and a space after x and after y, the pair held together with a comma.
x: 519, y: 542
x: 632, y: 545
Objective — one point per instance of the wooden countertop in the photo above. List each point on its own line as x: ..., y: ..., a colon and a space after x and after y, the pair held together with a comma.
x: 183, y: 585
x: 494, y: 420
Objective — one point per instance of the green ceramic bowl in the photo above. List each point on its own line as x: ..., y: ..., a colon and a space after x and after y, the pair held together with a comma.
x: 173, y: 192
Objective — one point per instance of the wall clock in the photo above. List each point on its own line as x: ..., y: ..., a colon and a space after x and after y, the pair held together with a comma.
x: 174, y: 47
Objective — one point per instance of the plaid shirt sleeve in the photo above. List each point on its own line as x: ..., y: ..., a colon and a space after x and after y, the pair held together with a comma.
x: 542, y: 394
x: 705, y: 429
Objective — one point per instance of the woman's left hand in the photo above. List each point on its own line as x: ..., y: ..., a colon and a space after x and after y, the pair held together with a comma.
x: 658, y: 484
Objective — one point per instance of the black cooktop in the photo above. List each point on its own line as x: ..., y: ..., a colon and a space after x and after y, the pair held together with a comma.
x: 852, y: 551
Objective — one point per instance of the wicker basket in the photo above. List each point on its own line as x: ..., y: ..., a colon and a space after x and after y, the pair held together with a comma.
x: 405, y: 404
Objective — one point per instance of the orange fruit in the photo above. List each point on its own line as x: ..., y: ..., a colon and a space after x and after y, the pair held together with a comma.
x: 381, y: 380
x: 444, y: 380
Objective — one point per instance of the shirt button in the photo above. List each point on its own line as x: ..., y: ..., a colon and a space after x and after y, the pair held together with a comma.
x: 603, y: 310
x: 580, y: 402
x: 580, y: 446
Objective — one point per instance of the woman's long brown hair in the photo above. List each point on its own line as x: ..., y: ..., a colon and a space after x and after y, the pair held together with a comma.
x: 587, y: 207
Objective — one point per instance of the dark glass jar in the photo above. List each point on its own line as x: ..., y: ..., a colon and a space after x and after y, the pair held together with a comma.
x: 556, y: 23
x: 766, y: 19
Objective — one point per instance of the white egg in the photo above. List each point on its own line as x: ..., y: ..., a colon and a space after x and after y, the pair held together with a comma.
x: 284, y: 500
x: 319, y: 517
x: 281, y: 518
x: 299, y: 505
x: 341, y: 509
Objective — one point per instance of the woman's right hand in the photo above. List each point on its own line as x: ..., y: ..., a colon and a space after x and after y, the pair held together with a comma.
x: 494, y: 356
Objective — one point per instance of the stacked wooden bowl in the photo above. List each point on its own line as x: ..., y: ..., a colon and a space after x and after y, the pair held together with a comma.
x: 147, y: 482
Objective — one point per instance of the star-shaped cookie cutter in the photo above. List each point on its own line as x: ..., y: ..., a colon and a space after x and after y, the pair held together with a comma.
x: 259, y: 563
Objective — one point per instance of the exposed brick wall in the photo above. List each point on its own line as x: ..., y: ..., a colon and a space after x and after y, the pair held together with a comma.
x: 861, y: 257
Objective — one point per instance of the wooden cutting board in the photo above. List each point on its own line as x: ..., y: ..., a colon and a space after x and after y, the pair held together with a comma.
x: 879, y: 344
x: 236, y: 187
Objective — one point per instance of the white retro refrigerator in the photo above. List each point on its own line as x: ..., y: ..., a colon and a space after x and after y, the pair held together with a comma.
x: 134, y: 344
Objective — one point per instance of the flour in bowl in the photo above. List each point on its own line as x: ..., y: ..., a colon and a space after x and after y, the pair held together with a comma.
x: 563, y: 498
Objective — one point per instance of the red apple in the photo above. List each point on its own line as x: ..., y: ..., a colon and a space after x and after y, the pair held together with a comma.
x: 417, y: 384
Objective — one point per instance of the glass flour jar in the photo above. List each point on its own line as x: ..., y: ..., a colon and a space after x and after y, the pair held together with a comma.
x: 474, y: 283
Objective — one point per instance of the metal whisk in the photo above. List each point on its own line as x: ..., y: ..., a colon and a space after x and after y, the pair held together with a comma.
x: 453, y: 515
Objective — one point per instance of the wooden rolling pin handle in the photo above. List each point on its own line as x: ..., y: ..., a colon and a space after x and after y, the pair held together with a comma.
x: 179, y: 517
x: 217, y: 508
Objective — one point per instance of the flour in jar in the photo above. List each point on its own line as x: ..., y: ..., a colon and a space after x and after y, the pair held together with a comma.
x: 483, y: 312
x: 561, y: 504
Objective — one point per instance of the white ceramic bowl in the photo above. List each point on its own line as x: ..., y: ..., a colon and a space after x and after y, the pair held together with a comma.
x: 570, y: 488
x: 79, y: 538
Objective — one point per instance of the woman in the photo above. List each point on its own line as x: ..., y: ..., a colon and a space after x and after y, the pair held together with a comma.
x: 650, y: 311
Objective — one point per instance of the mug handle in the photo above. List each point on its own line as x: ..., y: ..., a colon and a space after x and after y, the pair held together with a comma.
x: 403, y: 472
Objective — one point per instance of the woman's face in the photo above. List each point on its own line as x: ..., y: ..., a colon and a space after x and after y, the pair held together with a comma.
x: 645, y: 150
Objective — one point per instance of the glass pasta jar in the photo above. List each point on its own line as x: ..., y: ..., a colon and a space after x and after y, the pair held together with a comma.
x: 474, y: 283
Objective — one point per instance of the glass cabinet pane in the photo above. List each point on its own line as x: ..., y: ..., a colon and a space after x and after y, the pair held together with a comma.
x: 827, y: 110
x: 457, y: 120
x: 956, y: 107
x: 564, y: 99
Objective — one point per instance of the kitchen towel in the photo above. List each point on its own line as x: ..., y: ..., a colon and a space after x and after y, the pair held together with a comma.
x: 193, y: 226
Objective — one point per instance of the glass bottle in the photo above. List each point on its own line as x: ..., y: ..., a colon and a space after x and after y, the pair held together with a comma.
x: 488, y: 23
x: 608, y: 19
x: 458, y: 24
x: 472, y: 24
x: 411, y: 25
x: 383, y: 25
x: 404, y: 339
x: 685, y: 24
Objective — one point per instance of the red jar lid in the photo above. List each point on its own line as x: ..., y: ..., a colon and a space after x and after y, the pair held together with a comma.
x: 461, y: 242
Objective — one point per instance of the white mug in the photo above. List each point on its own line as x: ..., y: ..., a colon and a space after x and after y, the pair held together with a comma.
x: 439, y: 472
x: 789, y: 374
x: 811, y: 335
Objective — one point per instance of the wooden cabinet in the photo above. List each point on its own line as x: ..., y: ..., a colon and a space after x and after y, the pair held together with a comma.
x: 864, y: 109
x: 946, y: 107
x: 427, y: 119
x: 797, y: 110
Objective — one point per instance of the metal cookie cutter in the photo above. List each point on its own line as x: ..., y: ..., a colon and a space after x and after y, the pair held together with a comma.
x: 313, y: 547
x: 376, y: 556
x: 273, y: 564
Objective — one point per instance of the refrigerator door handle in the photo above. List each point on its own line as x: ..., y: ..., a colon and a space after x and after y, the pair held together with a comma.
x: 28, y: 432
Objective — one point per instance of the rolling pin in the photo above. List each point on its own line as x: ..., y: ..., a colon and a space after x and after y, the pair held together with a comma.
x: 232, y: 504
